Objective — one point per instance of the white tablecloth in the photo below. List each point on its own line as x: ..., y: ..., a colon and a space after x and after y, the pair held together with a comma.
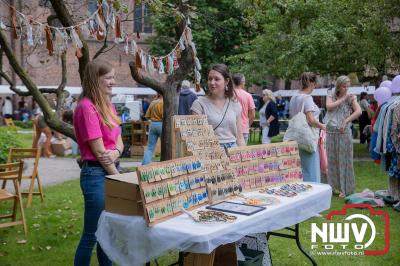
x: 127, y: 240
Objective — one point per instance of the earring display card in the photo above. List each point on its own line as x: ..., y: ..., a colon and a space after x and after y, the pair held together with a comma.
x: 266, y: 165
x: 169, y: 186
x: 194, y: 136
x: 204, y: 131
x: 189, y: 120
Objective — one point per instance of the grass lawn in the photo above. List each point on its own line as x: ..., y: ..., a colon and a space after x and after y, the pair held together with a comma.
x: 25, y: 138
x: 360, y: 150
x: 55, y: 227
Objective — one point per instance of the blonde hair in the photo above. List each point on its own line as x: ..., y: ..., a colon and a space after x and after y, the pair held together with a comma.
x: 270, y: 95
x: 91, y: 89
x: 340, y: 82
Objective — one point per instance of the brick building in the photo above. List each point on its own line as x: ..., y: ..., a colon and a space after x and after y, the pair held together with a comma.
x: 45, y: 70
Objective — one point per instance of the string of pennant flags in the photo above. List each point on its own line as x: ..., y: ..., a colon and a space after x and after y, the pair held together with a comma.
x: 58, y: 39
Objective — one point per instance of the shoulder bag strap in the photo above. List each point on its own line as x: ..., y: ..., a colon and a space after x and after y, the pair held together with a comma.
x: 223, y: 116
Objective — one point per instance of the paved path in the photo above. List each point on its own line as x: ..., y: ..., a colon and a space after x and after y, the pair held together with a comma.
x: 57, y: 170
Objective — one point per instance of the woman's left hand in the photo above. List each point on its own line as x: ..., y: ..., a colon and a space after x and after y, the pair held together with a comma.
x: 108, y: 157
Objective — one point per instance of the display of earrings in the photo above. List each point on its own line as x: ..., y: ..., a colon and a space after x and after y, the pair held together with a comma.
x: 196, y: 131
x: 189, y: 120
x: 169, y: 186
x: 266, y: 165
x: 248, y: 153
x: 222, y: 184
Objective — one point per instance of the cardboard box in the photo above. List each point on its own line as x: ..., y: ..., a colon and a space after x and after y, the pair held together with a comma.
x: 61, y: 147
x: 122, y: 194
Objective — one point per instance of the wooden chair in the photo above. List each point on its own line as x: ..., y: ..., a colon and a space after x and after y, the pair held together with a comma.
x: 12, y: 172
x: 20, y: 154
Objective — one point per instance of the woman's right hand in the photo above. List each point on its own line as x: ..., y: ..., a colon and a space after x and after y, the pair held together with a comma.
x: 322, y: 127
x: 349, y: 97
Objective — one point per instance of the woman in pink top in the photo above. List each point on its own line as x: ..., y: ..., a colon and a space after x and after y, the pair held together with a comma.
x: 99, y: 138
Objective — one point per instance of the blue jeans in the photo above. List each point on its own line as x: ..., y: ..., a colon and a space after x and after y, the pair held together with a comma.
x: 154, y: 133
x: 92, y: 185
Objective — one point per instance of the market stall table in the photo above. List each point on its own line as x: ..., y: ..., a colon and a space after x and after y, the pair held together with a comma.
x: 127, y: 240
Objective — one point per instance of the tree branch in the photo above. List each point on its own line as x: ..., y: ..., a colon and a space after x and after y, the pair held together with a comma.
x: 7, y: 78
x: 145, y: 79
x: 19, y: 92
x: 50, y: 117
x: 60, y: 90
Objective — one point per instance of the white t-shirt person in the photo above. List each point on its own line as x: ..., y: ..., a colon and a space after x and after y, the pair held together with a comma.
x: 226, y: 131
x: 7, y: 108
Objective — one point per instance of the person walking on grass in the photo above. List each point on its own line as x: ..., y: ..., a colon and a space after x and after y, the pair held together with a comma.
x: 269, y: 117
x: 342, y: 109
x: 98, y: 135
x: 155, y: 115
x: 186, y: 98
x: 41, y: 126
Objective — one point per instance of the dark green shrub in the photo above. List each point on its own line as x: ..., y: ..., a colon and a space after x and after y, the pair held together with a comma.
x: 8, y: 139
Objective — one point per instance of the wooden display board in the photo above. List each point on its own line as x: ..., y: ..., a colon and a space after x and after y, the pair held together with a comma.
x: 265, y: 165
x: 194, y: 136
x: 167, y: 187
x: 198, y: 123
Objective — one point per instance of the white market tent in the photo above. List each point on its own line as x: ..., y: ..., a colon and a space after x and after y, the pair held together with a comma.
x: 323, y: 91
x: 138, y: 91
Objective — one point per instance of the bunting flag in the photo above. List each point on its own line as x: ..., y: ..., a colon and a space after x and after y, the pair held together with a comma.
x: 58, y: 39
x: 168, y: 64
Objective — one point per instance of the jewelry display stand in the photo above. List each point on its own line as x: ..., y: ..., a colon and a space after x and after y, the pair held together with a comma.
x: 194, y: 136
x: 168, y: 186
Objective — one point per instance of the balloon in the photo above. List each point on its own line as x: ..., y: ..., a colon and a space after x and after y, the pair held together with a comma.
x: 382, y: 94
x: 395, y: 87
x: 386, y: 83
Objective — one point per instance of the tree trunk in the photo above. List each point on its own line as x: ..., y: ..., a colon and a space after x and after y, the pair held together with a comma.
x: 171, y: 102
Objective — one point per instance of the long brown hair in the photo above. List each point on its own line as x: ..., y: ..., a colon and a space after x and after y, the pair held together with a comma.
x: 91, y: 89
x: 224, y: 71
